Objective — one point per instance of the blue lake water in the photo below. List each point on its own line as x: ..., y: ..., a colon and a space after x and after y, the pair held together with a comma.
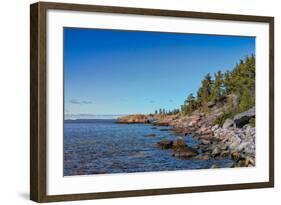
x: 104, y: 146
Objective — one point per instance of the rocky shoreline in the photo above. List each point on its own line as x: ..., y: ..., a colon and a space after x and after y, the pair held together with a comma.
x: 234, y: 139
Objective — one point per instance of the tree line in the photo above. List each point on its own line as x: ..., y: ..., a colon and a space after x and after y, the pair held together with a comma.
x: 162, y: 111
x: 240, y: 82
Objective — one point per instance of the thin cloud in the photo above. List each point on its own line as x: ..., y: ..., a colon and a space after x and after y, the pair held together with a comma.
x: 75, y: 101
x: 87, y: 102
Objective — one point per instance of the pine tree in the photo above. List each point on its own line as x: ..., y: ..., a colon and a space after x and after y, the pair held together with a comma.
x: 217, y: 89
x: 205, y: 90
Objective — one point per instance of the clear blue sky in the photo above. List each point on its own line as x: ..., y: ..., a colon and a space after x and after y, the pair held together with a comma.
x: 123, y: 72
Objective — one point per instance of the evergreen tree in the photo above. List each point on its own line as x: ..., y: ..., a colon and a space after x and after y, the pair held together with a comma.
x: 217, y: 89
x: 189, y: 105
x: 205, y: 91
x: 246, y: 101
x: 239, y: 82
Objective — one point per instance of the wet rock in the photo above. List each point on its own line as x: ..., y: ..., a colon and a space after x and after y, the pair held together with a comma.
x: 151, y: 135
x: 180, y: 132
x: 241, y: 163
x: 214, y: 166
x: 216, y: 152
x: 179, y: 144
x: 235, y: 156
x: 161, y: 123
x: 202, y: 157
x: 224, y: 153
x: 165, y: 144
x: 165, y: 129
x: 249, y: 161
x: 187, y: 152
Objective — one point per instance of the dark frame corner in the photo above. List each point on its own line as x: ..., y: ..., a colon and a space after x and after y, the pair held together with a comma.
x: 38, y: 85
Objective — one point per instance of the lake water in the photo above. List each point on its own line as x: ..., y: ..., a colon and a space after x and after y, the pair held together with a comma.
x: 104, y: 146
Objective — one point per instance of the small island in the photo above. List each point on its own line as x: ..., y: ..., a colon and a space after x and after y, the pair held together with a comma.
x: 221, y: 117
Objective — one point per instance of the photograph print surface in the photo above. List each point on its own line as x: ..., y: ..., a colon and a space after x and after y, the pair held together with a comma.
x: 141, y: 101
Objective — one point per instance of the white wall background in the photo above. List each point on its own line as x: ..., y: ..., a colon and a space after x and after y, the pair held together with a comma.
x: 14, y: 101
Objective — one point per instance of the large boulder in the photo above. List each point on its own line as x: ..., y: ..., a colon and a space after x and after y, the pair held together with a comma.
x: 243, y: 118
x: 228, y: 123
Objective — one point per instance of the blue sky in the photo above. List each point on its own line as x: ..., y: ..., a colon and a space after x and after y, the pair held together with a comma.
x: 122, y: 72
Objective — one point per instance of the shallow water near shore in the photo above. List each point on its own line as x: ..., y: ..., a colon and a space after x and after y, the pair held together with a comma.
x: 104, y: 147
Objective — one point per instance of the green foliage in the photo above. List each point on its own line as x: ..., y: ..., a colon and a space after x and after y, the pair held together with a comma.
x: 217, y: 88
x: 164, y: 112
x: 221, y: 119
x: 253, y: 122
x: 246, y: 100
x: 205, y: 91
x: 240, y: 81
x: 189, y: 105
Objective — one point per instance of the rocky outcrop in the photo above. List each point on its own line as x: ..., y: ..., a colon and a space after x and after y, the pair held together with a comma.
x: 218, y: 142
x: 243, y: 118
x: 235, y: 139
x: 179, y: 147
x: 138, y: 118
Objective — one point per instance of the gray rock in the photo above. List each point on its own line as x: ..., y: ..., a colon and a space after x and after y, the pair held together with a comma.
x: 215, y: 127
x: 165, y: 144
x: 228, y: 123
x: 205, y: 142
x: 225, y: 153
x: 243, y: 118
x: 241, y: 147
x: 249, y: 161
x: 216, y: 152
x: 188, y: 152
x: 234, y: 145
x: 211, y: 104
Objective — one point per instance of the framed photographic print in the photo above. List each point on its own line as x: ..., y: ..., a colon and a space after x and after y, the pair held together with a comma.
x: 134, y: 102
